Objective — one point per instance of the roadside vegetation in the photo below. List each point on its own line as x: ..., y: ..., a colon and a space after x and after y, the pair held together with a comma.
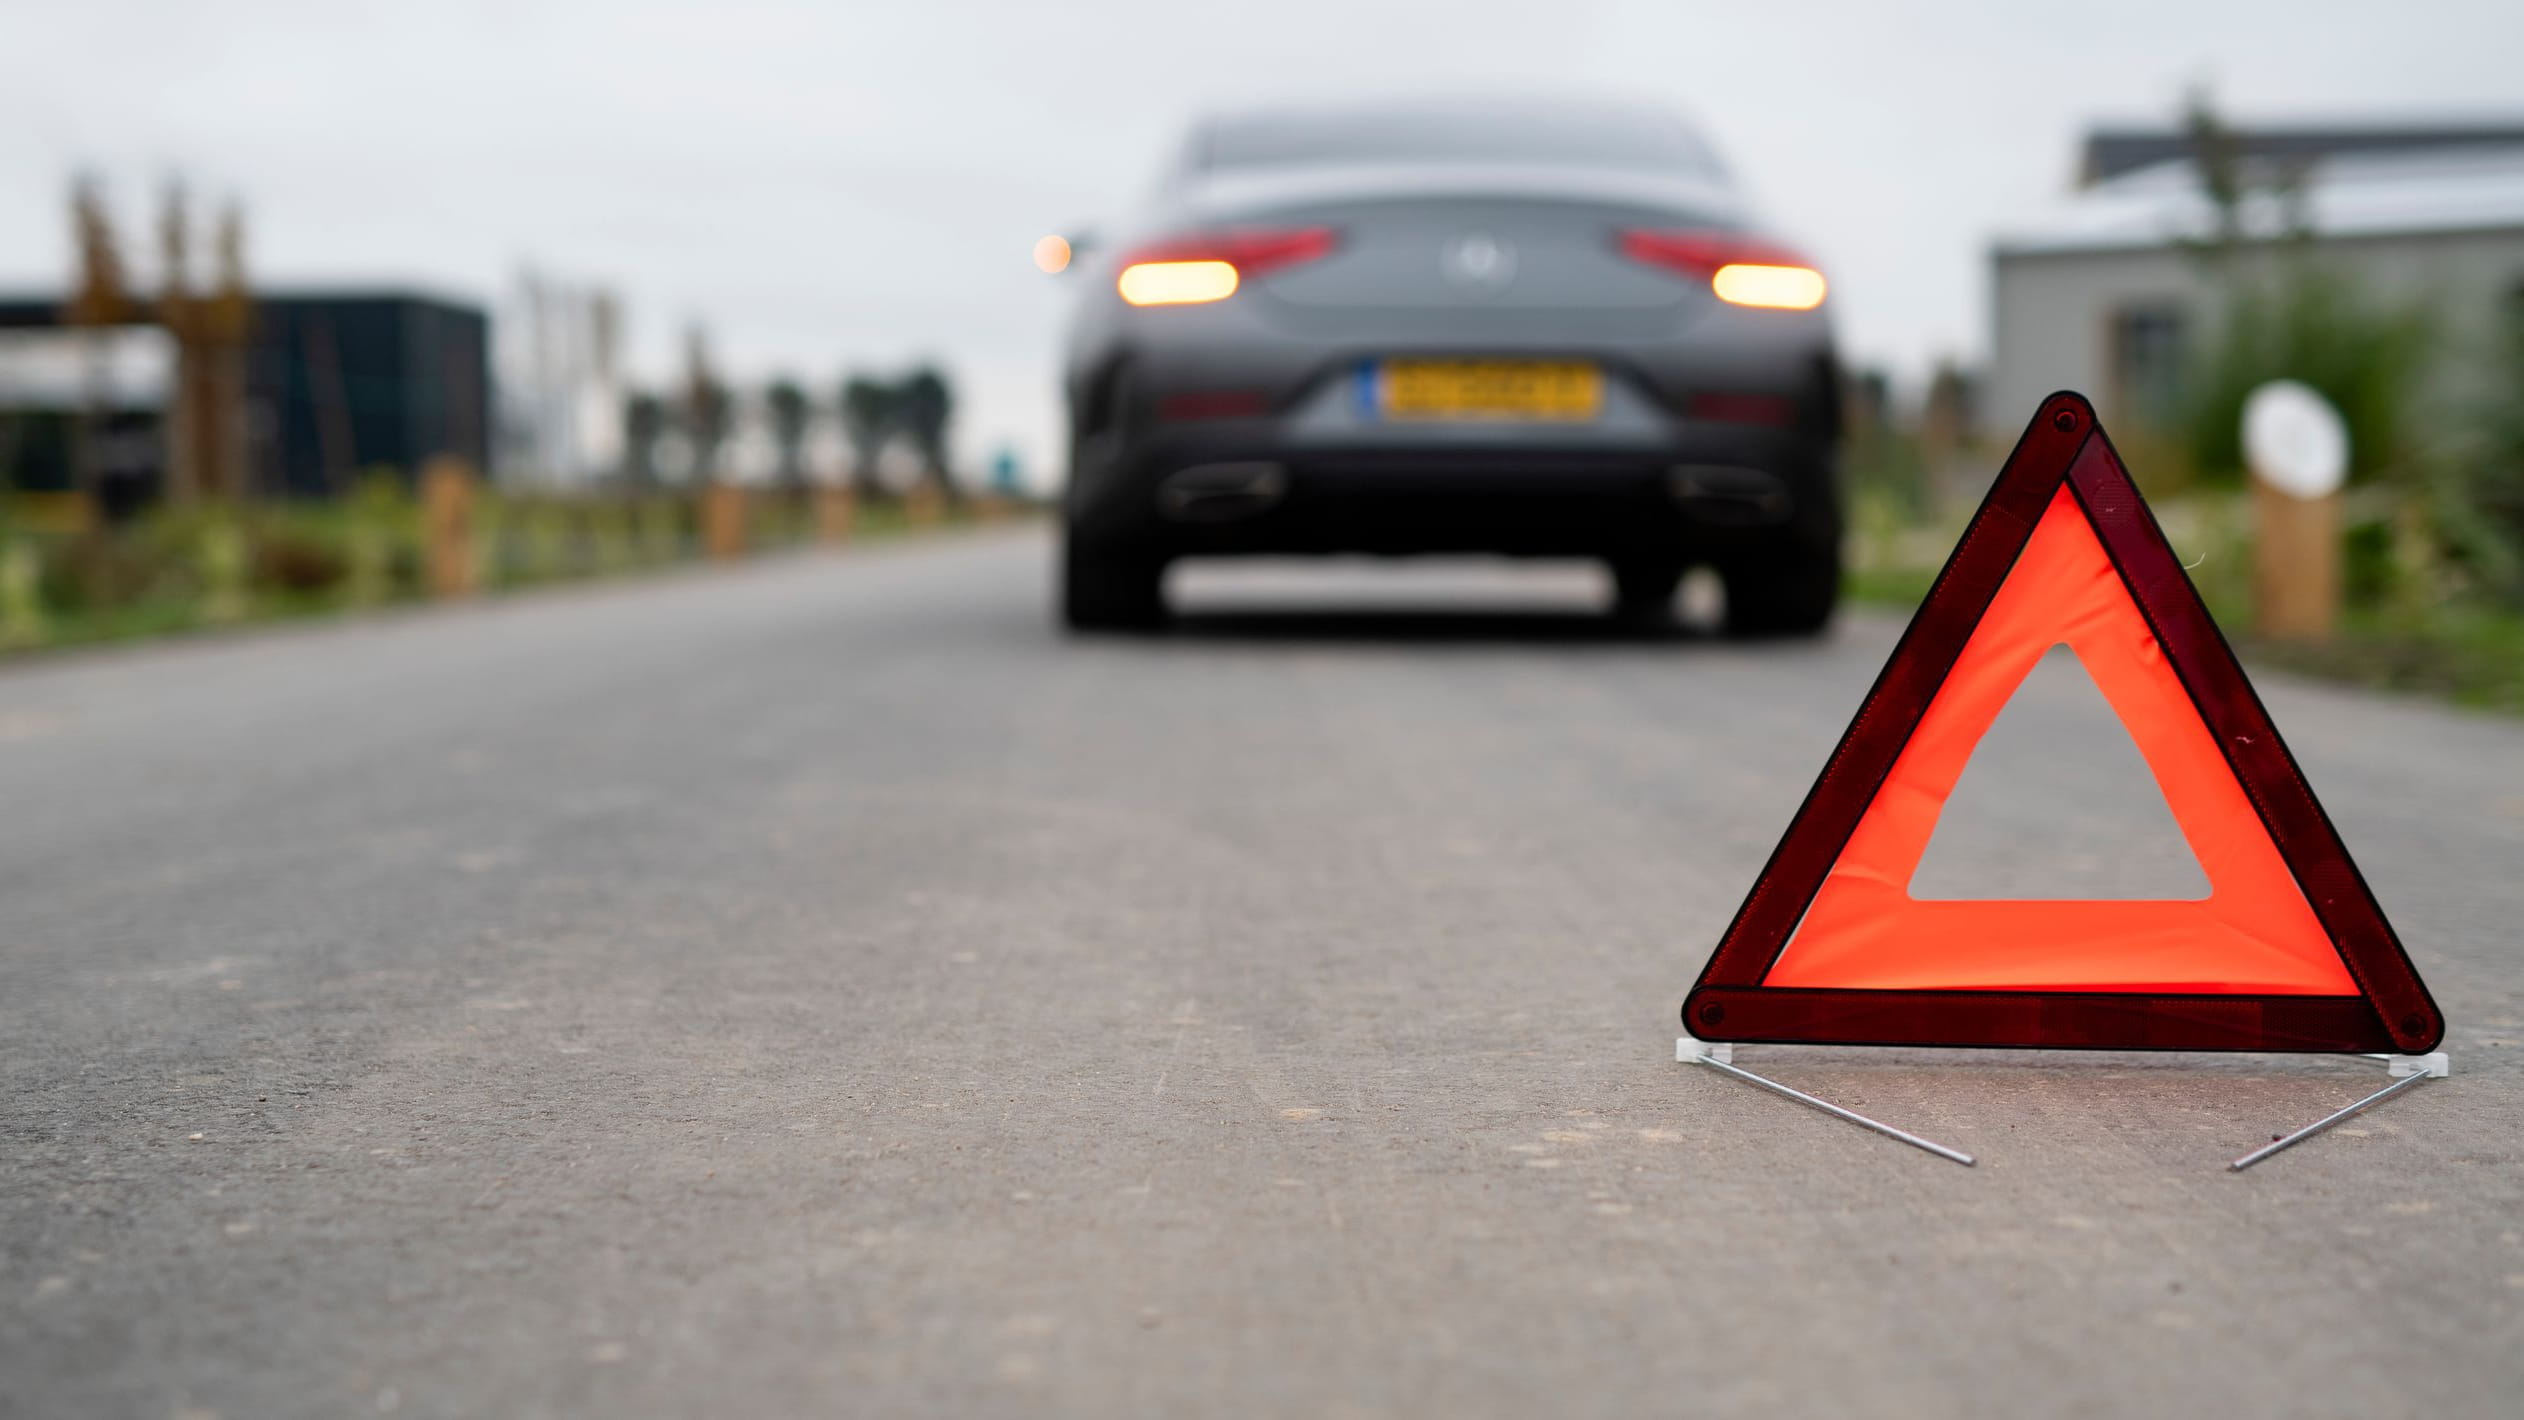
x: 66, y: 581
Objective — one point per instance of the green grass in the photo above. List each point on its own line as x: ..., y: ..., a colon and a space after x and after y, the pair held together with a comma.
x: 1904, y: 587
x: 2471, y: 656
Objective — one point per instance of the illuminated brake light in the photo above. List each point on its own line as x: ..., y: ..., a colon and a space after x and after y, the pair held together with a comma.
x: 1778, y: 288
x: 1740, y: 270
x: 1209, y: 267
x: 1176, y: 283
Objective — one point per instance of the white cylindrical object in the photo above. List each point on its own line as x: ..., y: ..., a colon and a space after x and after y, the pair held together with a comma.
x: 2295, y: 441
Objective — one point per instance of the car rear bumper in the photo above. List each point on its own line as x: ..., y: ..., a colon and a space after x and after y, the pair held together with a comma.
x: 1225, y: 487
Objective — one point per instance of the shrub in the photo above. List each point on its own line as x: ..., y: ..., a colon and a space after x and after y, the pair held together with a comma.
x: 100, y: 568
x: 2316, y: 326
x: 293, y: 560
x: 2474, y: 477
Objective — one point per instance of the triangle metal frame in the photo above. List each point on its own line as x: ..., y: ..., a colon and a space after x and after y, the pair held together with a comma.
x: 2393, y: 1011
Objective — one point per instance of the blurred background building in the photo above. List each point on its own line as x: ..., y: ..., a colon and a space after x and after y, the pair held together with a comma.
x: 2117, y: 290
x: 558, y: 353
x: 334, y: 382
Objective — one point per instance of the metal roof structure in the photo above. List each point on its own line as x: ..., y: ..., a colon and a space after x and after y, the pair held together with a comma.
x: 2475, y: 182
x: 2113, y: 152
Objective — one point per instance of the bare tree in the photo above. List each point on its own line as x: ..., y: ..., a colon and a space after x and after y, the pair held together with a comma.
x: 181, y: 432
x: 868, y: 418
x: 706, y: 411
x: 643, y: 426
x: 227, y: 326
x: 927, y: 404
x: 788, y: 430
x: 100, y: 299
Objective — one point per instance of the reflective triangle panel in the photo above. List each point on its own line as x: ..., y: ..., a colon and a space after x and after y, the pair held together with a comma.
x: 2254, y: 933
x: 2287, y: 952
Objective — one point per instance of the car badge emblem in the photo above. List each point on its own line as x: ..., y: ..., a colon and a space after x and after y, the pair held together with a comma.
x: 1478, y: 262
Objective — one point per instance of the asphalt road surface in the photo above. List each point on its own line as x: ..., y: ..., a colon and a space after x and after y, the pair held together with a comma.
x: 818, y: 988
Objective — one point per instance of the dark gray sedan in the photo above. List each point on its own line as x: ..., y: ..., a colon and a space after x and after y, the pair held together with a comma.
x: 1546, y: 330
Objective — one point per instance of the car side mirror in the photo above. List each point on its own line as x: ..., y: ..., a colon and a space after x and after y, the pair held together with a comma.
x: 1060, y: 251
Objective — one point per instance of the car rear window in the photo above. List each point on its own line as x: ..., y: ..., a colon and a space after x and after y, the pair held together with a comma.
x: 1470, y: 135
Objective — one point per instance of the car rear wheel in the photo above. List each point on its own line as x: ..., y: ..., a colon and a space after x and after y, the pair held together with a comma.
x: 1790, y: 594
x: 1109, y: 588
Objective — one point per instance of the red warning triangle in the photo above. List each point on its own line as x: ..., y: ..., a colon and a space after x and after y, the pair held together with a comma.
x: 2288, y: 951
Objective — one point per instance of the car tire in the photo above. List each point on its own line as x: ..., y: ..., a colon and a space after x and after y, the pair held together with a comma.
x: 1110, y: 589
x: 1643, y: 589
x: 1792, y: 593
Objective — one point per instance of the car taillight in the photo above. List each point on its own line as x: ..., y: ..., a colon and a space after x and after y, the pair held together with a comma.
x: 1209, y: 267
x: 1741, y: 270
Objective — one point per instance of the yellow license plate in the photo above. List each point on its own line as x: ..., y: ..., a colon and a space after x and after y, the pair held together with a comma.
x: 1488, y: 389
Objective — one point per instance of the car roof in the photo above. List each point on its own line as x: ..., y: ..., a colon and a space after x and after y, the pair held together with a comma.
x: 1531, y: 130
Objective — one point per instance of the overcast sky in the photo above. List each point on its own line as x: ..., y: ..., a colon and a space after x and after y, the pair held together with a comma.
x: 838, y: 184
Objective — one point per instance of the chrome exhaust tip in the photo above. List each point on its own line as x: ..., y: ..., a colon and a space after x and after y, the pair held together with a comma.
x: 1729, y: 494
x: 1221, y: 492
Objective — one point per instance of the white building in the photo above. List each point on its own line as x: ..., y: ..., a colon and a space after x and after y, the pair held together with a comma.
x: 561, y: 390
x: 2101, y: 295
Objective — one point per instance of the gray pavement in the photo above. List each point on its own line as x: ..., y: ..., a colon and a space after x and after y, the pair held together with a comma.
x: 818, y: 988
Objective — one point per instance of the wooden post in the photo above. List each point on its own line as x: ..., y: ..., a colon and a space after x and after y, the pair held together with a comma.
x: 447, y: 526
x: 836, y: 512
x: 2295, y: 563
x: 723, y: 515
x: 2297, y: 446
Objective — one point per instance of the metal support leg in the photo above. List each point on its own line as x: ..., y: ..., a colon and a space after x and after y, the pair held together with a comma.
x: 2439, y: 1064
x: 1688, y: 1048
x: 2309, y: 1131
x: 1801, y: 1097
